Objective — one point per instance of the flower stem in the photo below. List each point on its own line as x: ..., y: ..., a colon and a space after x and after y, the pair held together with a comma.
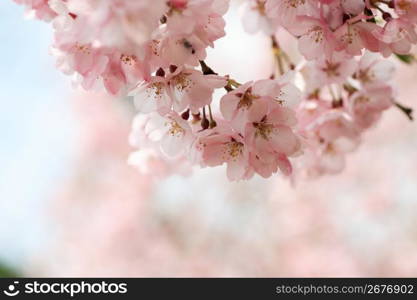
x: 278, y: 54
x: 213, y: 123
x: 206, y: 69
x: 408, y: 111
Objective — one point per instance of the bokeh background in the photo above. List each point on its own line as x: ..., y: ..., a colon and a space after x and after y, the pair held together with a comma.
x: 70, y: 205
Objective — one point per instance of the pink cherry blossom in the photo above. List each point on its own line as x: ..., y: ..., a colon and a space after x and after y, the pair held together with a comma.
x: 272, y: 140
x: 399, y: 35
x: 406, y: 9
x: 170, y: 132
x: 336, y: 69
x: 287, y: 11
x: 190, y: 89
x: 40, y: 8
x: 354, y: 7
x: 152, y: 96
x: 327, y: 139
x: 237, y: 105
x: 368, y: 104
x: 356, y: 35
x: 317, y: 38
x: 177, y: 88
x: 272, y: 131
x: 255, y: 19
x: 223, y: 145
x: 373, y: 69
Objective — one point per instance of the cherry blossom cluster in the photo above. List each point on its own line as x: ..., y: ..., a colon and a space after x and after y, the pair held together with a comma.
x: 303, y: 119
x: 345, y: 97
x: 348, y: 26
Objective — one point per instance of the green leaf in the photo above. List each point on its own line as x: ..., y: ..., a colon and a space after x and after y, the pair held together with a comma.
x: 6, y: 271
x: 405, y: 58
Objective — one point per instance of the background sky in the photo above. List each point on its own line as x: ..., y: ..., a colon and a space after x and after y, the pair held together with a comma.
x: 36, y: 129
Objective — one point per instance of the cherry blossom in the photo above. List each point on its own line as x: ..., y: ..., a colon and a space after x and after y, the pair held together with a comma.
x: 368, y: 104
x: 254, y: 17
x: 354, y: 7
x: 239, y: 104
x: 399, y: 35
x: 170, y: 132
x: 39, y: 8
x: 317, y: 38
x: 328, y: 137
x: 302, y: 118
x: 223, y: 145
x: 335, y: 70
x: 177, y: 88
x: 406, y: 9
x: 374, y: 70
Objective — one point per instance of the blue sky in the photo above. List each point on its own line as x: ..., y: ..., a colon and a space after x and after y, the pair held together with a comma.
x: 36, y: 129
